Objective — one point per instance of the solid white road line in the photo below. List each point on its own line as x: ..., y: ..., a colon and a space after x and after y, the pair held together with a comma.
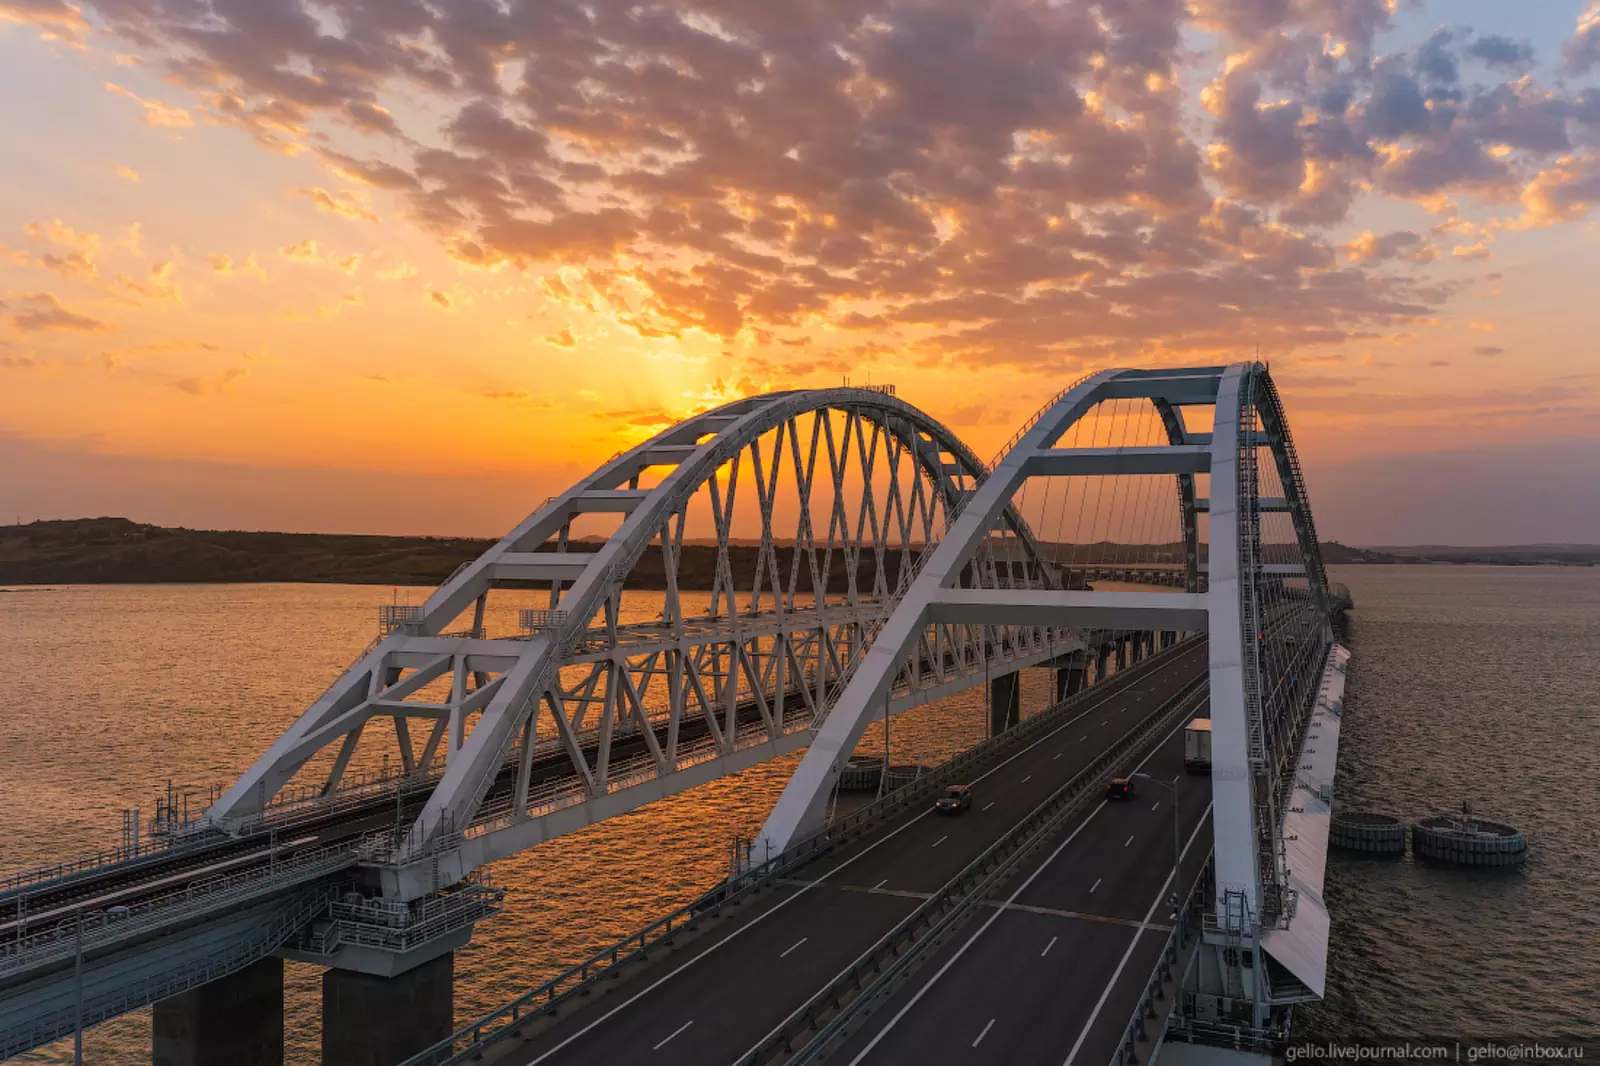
x: 1095, y: 885
x: 664, y: 1043
x: 941, y: 840
x: 983, y: 1034
x: 973, y: 939
x: 1126, y: 955
x: 796, y: 944
x: 880, y: 884
x: 1048, y: 946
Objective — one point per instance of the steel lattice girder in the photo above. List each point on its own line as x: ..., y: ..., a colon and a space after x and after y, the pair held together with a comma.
x: 503, y: 681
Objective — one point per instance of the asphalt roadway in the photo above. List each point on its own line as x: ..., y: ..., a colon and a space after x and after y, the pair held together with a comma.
x: 1052, y: 975
x: 724, y: 992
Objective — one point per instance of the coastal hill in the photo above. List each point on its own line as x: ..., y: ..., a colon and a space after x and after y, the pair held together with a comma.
x: 118, y: 550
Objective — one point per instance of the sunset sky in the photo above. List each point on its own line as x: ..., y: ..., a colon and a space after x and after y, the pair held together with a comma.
x: 395, y: 266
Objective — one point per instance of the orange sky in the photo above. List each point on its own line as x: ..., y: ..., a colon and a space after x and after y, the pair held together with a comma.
x: 333, y: 268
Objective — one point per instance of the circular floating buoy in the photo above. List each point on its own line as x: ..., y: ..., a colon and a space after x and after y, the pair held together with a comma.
x: 1468, y: 841
x: 1378, y: 834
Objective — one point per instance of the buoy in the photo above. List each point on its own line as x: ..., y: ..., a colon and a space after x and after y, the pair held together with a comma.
x: 1468, y: 840
x: 1379, y: 834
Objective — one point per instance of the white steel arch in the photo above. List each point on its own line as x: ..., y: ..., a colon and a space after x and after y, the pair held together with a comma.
x: 1250, y: 770
x: 499, y: 684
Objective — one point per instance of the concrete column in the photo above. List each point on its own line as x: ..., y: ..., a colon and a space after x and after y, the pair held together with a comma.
x: 1071, y: 680
x: 1103, y: 667
x: 234, y: 1021
x: 1005, y: 702
x: 379, y: 1021
x: 1122, y: 654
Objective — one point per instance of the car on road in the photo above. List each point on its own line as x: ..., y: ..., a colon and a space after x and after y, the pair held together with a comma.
x: 1119, y: 788
x: 954, y: 799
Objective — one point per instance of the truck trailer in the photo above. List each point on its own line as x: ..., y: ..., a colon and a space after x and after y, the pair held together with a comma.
x: 1197, y: 746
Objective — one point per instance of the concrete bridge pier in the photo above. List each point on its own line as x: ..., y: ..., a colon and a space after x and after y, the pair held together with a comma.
x: 368, y: 1020
x: 1005, y: 702
x: 234, y: 1021
x: 1122, y: 654
x: 1103, y: 663
x: 1071, y: 680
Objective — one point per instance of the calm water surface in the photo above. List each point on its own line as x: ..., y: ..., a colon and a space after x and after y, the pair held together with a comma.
x: 1470, y: 683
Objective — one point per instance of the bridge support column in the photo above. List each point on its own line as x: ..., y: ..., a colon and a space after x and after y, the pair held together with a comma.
x: 1071, y: 680
x: 1005, y: 702
x: 234, y: 1021
x: 379, y: 1021
x: 1122, y: 654
x: 1103, y: 664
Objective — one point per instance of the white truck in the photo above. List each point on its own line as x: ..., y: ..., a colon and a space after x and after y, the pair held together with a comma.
x: 1197, y: 746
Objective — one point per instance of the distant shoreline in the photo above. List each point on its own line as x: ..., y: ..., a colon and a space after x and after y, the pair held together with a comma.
x: 106, y: 551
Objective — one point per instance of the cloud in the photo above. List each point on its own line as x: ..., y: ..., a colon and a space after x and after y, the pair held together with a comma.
x: 157, y: 289
x: 344, y: 204
x: 156, y: 112
x: 224, y: 266
x: 561, y: 340
x: 1487, y: 349
x: 128, y: 174
x: 75, y: 252
x: 132, y: 241
x: 53, y: 18
x: 979, y: 183
x: 398, y: 272
x: 221, y: 383
x: 45, y: 312
x: 1581, y: 51
x: 302, y: 252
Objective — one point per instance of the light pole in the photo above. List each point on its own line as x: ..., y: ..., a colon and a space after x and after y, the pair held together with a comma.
x: 1177, y: 831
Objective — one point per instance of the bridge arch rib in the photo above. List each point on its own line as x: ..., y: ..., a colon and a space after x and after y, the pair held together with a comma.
x: 871, y: 481
x: 1261, y: 688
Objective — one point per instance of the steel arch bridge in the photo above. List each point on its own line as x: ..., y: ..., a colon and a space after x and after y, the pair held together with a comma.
x: 886, y: 563
x: 850, y: 486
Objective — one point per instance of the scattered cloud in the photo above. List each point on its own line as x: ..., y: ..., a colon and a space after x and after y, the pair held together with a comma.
x: 224, y: 266
x: 156, y: 289
x: 156, y: 112
x: 128, y: 174
x: 1487, y: 349
x: 73, y: 253
x: 563, y: 339
x: 398, y: 272
x: 344, y: 204
x: 44, y: 312
x: 302, y: 252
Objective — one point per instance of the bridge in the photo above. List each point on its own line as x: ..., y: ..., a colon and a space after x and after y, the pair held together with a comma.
x: 786, y: 572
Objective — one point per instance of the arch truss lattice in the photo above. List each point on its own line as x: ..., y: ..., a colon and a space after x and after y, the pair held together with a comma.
x: 776, y: 534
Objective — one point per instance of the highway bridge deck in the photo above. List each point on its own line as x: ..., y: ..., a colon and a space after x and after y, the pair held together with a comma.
x: 721, y: 994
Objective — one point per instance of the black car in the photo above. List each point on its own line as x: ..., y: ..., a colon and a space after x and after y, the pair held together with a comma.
x: 1119, y: 788
x: 954, y: 799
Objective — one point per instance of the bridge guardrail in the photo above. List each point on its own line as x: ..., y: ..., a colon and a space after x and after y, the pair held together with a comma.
x: 468, y: 1042
x: 876, y: 973
x: 229, y: 959
x: 1189, y: 924
x: 79, y: 931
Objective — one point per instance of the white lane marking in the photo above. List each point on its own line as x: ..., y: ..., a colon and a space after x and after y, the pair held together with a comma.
x: 941, y: 840
x: 840, y: 976
x: 1057, y: 755
x: 1156, y: 805
x: 1126, y: 955
x: 983, y: 1034
x: 796, y: 944
x: 1048, y: 946
x: 664, y: 1043
x: 986, y: 806
x: 1025, y: 780
x: 973, y: 939
x: 1095, y: 885
x: 1125, y: 843
x: 1107, y: 720
x: 880, y: 884
x: 1086, y: 735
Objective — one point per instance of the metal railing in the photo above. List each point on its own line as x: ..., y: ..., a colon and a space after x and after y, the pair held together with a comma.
x: 1033, y: 420
x: 1188, y: 924
x: 468, y: 1042
x: 93, y: 929
x: 169, y: 982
